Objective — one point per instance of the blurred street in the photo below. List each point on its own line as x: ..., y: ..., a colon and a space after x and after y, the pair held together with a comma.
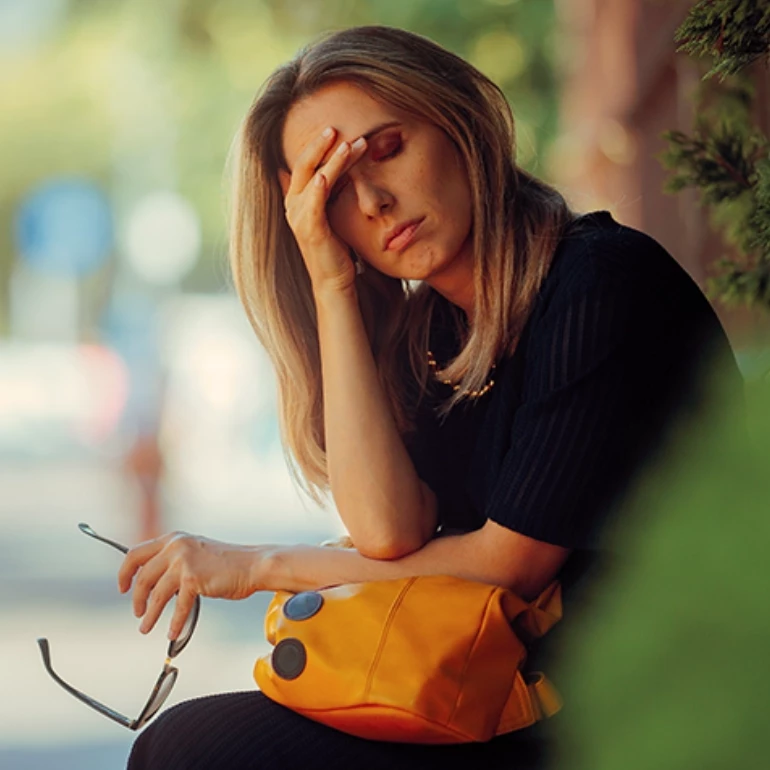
x: 82, y: 439
x: 57, y: 583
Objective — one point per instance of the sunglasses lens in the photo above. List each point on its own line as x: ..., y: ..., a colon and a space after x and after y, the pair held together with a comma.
x: 160, y: 697
x: 178, y: 644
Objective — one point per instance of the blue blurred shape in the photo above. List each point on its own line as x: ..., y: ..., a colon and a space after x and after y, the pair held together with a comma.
x: 65, y: 227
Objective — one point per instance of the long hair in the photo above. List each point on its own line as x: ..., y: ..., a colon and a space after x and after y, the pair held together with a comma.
x: 517, y: 221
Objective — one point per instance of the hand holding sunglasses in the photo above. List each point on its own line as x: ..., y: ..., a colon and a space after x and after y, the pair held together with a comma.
x: 181, y: 565
x: 168, y: 675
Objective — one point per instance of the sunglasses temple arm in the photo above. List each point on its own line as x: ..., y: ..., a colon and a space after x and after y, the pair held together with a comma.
x: 94, y: 704
x: 87, y: 530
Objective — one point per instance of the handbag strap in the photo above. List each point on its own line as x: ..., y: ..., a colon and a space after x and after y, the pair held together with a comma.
x: 546, y: 701
x: 529, y: 702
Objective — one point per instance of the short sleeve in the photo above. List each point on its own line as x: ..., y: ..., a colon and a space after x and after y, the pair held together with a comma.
x: 581, y: 423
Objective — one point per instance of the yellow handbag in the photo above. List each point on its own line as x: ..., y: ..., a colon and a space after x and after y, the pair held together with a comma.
x: 427, y: 659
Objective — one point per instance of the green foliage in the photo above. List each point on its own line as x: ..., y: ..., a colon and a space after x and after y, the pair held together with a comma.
x: 719, y: 161
x: 745, y: 280
x: 726, y: 157
x: 734, y: 32
x: 670, y: 668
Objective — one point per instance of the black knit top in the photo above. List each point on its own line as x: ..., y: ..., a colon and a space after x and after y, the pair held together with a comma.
x: 614, y: 349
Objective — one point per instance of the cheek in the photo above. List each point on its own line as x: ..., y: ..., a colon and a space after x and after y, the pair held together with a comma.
x: 449, y: 185
x: 457, y: 202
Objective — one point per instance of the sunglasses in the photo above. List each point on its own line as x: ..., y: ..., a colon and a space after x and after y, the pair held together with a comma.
x: 167, y: 677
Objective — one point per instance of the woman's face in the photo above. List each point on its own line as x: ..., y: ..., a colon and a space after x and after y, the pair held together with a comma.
x: 411, y: 175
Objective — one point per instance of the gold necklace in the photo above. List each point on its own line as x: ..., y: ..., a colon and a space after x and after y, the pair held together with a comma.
x: 471, y: 394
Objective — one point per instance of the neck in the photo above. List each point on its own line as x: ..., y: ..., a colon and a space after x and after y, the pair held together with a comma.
x: 456, y: 285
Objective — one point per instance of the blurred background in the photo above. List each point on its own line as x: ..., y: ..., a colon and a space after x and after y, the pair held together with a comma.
x: 133, y: 394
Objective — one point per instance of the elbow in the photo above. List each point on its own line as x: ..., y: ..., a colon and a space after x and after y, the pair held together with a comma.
x: 388, y: 549
x: 401, y: 536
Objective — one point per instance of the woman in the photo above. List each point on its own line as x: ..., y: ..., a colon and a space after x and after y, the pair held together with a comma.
x: 475, y: 372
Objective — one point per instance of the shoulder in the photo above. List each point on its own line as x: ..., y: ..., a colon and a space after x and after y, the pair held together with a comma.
x: 596, y: 248
x: 598, y: 256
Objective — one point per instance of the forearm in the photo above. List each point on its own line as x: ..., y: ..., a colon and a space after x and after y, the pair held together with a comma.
x: 376, y: 489
x: 304, y: 568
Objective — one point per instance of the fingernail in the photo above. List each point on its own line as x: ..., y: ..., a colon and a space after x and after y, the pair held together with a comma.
x: 328, y: 132
x: 343, y: 148
x: 359, y: 143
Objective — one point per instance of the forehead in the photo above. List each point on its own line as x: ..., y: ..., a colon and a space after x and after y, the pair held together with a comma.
x: 344, y: 106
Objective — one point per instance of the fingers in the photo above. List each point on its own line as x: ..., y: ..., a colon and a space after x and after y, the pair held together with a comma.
x: 309, y: 160
x: 162, y: 593
x: 343, y: 158
x: 184, y: 603
x: 136, y: 558
x: 147, y: 581
x: 156, y: 584
x: 306, y: 212
x: 157, y: 580
x: 309, y: 167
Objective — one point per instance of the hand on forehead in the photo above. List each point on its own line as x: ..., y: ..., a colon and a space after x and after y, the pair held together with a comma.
x: 346, y: 108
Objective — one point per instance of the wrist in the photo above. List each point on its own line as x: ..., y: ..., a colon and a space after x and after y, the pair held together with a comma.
x: 264, y: 572
x: 332, y: 294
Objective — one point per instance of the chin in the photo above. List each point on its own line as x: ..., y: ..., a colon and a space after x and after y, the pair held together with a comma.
x: 407, y: 269
x: 429, y: 265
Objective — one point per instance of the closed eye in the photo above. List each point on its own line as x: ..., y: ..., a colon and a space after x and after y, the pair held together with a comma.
x: 386, y: 147
x: 383, y: 148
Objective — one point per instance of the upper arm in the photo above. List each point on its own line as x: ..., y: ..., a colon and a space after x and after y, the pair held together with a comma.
x: 580, y: 420
x: 404, y: 543
x: 429, y: 513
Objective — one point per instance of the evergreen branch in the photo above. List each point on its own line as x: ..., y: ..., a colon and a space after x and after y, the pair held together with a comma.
x: 741, y: 286
x: 760, y: 219
x: 719, y: 163
x: 735, y: 33
x: 727, y: 158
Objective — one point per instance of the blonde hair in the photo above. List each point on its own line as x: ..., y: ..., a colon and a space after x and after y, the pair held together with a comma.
x: 517, y: 223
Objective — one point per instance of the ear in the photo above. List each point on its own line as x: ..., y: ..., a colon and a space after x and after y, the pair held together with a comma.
x: 284, y: 177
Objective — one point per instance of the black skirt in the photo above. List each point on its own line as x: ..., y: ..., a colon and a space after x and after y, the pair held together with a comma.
x: 246, y: 731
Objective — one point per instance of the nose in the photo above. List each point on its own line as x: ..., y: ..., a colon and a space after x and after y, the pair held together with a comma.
x: 373, y: 200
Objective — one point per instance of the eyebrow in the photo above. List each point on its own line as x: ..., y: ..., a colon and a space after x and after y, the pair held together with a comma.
x: 374, y: 131
x: 368, y: 135
x: 380, y: 127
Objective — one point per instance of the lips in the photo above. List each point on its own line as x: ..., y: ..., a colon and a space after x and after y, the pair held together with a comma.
x: 401, y: 235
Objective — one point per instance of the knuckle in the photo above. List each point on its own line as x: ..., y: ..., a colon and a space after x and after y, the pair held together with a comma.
x: 180, y: 542
x: 141, y: 584
x: 156, y: 600
x: 130, y: 559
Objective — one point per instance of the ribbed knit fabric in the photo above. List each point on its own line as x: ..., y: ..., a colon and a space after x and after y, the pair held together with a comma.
x: 615, y: 350
x: 248, y: 731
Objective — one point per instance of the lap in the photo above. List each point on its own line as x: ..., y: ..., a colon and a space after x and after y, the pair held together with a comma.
x: 247, y: 731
